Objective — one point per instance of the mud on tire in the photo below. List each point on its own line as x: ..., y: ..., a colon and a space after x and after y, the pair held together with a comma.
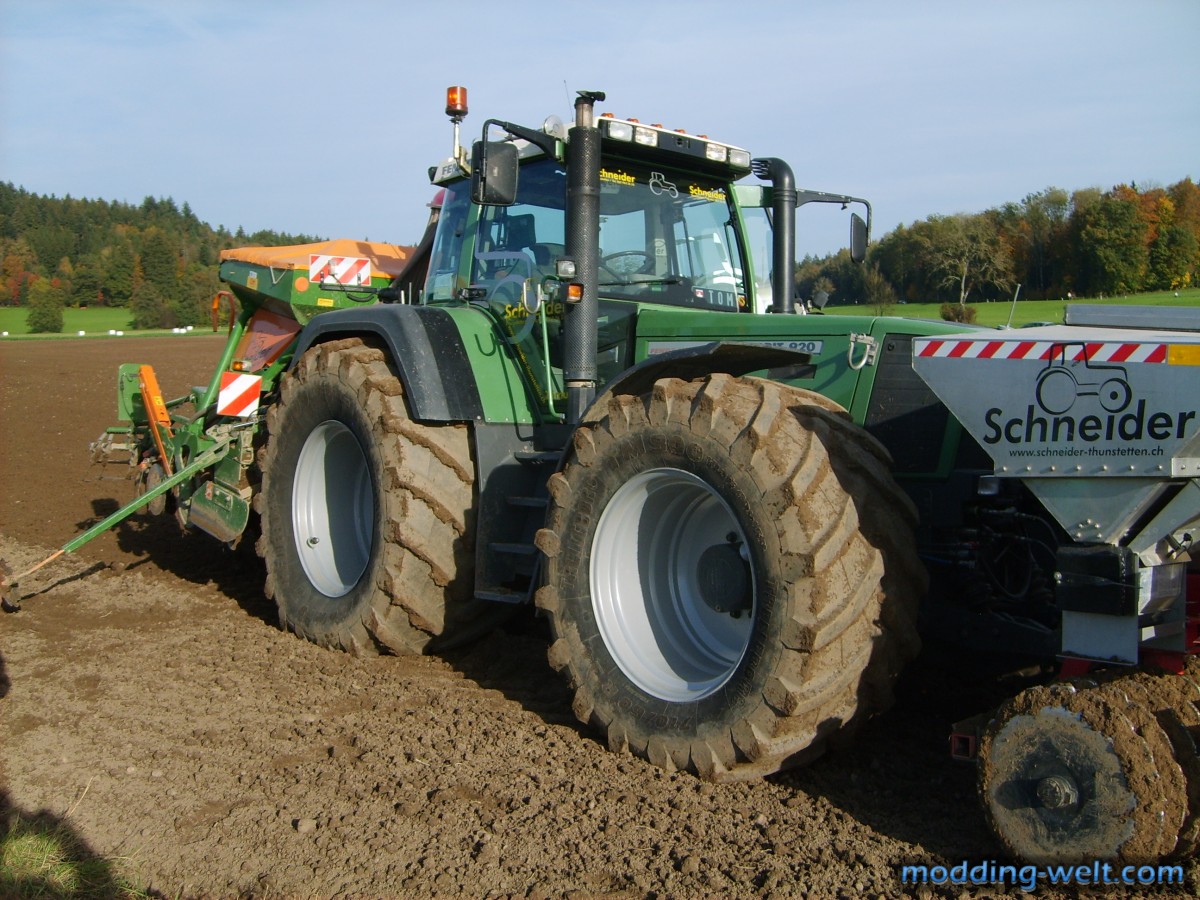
x: 366, y: 515
x: 731, y: 575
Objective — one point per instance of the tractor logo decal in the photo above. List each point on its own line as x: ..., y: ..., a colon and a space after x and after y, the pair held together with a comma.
x: 1063, y: 403
x: 1060, y: 383
x: 660, y: 185
x: 716, y: 195
x: 617, y: 177
x: 1088, y: 399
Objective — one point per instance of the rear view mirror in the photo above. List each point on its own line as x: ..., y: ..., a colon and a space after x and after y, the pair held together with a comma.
x: 494, y: 170
x: 858, y: 238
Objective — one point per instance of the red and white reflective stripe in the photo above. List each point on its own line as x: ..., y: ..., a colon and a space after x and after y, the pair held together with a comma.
x: 1070, y: 352
x: 239, y: 394
x: 351, y: 270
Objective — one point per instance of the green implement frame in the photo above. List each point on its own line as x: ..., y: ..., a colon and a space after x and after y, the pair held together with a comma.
x: 208, y: 458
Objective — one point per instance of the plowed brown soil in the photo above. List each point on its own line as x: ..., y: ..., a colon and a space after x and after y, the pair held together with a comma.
x: 151, y: 704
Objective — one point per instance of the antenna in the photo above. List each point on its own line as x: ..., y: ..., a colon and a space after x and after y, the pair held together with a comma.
x: 1013, y: 308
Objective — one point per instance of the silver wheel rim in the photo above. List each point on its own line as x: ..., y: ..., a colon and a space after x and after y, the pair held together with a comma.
x: 645, y: 593
x: 333, y: 509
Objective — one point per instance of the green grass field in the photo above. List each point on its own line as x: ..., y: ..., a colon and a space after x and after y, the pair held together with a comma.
x: 98, y: 321
x: 93, y: 320
x: 1027, y: 311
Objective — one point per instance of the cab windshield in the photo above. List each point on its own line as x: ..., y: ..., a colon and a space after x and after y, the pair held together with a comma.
x: 664, y: 238
x: 668, y: 238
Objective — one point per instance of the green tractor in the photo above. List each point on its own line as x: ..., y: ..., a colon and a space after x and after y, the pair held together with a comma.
x: 592, y: 389
x: 726, y: 562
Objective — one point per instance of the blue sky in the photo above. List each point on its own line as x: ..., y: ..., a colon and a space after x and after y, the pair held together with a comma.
x: 324, y: 117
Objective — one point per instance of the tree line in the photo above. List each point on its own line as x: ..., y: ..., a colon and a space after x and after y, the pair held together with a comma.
x: 157, y: 259
x: 1053, y: 245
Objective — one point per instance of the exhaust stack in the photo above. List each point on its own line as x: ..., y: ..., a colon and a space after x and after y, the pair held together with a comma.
x: 583, y: 242
x: 783, y: 228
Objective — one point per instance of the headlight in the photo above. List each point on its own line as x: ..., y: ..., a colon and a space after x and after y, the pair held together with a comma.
x: 620, y: 131
x: 646, y: 136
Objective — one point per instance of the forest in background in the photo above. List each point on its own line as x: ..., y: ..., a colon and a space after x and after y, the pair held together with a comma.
x: 1054, y: 244
x: 159, y: 260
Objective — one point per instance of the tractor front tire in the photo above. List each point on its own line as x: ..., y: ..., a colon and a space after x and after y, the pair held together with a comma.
x: 731, y: 575
x: 366, y: 515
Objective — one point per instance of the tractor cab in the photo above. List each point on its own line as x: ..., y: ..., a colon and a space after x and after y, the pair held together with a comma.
x: 666, y: 237
x: 675, y: 229
x: 670, y: 229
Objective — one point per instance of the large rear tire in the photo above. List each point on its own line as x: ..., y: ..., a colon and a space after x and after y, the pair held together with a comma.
x: 366, y: 515
x: 731, y: 575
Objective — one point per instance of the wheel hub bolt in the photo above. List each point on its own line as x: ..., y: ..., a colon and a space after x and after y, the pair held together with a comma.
x: 1057, y: 792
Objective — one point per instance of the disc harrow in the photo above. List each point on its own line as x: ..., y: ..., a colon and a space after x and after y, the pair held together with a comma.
x: 1073, y: 772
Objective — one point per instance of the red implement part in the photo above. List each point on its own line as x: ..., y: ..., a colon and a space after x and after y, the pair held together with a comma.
x: 267, y: 336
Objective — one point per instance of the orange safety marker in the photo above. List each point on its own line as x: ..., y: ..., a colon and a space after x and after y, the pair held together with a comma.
x: 156, y: 409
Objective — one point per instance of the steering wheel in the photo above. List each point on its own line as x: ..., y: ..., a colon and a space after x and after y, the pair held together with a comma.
x: 623, y: 276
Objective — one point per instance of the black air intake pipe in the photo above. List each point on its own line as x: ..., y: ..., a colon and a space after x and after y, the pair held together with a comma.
x: 580, y: 320
x: 783, y: 227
